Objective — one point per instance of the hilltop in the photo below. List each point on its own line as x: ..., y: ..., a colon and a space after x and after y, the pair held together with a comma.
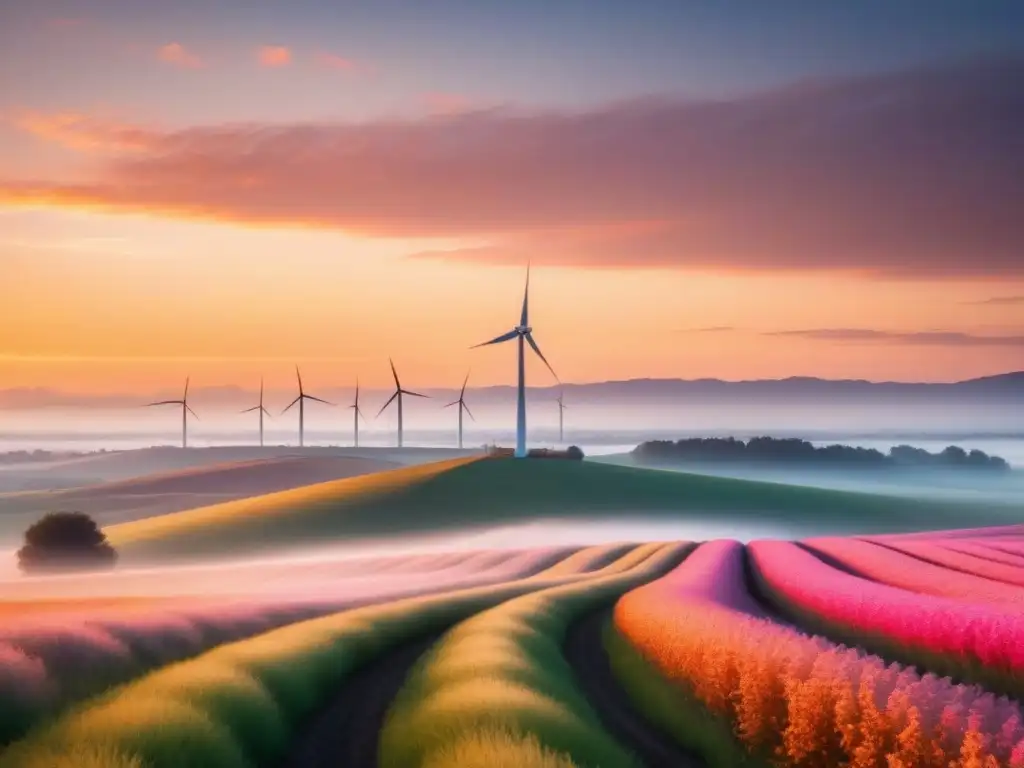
x: 466, y: 494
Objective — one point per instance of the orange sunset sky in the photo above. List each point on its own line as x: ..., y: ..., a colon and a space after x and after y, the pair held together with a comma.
x: 224, y: 192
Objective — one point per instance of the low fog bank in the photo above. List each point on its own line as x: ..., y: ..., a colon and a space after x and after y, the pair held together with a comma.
x: 1006, y: 487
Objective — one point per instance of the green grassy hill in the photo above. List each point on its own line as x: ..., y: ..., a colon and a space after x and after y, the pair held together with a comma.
x: 462, y: 494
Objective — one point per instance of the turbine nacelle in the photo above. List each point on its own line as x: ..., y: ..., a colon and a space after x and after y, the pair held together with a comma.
x: 523, y: 330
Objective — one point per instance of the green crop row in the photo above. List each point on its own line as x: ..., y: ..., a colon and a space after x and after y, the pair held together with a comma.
x: 497, y: 691
x: 242, y: 704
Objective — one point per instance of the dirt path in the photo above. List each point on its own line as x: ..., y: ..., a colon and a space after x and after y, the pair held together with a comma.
x: 585, y: 653
x: 348, y: 730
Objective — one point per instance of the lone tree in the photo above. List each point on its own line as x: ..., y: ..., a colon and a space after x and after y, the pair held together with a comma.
x: 65, y: 541
x: 574, y: 452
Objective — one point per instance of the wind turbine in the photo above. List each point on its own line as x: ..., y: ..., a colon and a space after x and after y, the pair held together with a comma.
x: 561, y: 421
x: 398, y: 393
x: 356, y: 415
x: 301, y: 400
x: 261, y: 410
x: 523, y: 334
x: 461, y: 402
x: 185, y: 411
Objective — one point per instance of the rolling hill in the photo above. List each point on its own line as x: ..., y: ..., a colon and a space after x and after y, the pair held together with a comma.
x: 463, y: 494
x: 172, y: 491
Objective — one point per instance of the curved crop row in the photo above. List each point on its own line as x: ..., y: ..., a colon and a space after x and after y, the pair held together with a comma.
x: 984, y: 551
x: 496, y: 689
x: 950, y: 558
x: 61, y: 657
x: 905, y: 565
x: 975, y: 642
x: 244, y: 701
x: 801, y: 700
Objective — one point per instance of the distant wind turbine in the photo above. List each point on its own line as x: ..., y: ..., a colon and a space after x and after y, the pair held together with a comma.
x: 398, y: 394
x: 523, y: 333
x: 185, y: 411
x: 301, y: 400
x: 261, y: 410
x: 461, y: 402
x: 356, y: 415
x: 561, y: 421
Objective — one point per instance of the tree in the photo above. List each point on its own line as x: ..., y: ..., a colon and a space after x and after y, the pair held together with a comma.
x: 574, y: 452
x: 65, y: 540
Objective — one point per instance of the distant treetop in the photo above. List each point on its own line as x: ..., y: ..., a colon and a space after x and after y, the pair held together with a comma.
x: 796, y: 451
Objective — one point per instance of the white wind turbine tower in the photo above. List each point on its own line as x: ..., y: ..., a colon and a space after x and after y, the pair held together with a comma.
x: 301, y: 400
x: 523, y: 333
x: 356, y: 415
x: 398, y: 394
x: 185, y: 411
x: 561, y: 421
x: 263, y: 411
x: 461, y: 402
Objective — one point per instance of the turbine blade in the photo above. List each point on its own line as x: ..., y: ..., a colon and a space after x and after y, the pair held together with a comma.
x: 413, y: 394
x: 291, y: 405
x: 185, y: 398
x: 532, y: 343
x: 464, y: 383
x: 266, y: 412
x: 187, y: 408
x: 394, y: 373
x: 359, y: 413
x: 524, y: 318
x: 451, y: 404
x: 298, y: 375
x: 254, y: 408
x: 469, y: 411
x: 390, y: 400
x: 310, y: 397
x: 165, y: 402
x: 498, y: 339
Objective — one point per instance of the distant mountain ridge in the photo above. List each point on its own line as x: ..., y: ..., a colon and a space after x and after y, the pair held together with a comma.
x: 1001, y: 386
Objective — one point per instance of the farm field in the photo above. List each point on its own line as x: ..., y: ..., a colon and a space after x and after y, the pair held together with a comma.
x: 864, y: 643
x: 829, y: 651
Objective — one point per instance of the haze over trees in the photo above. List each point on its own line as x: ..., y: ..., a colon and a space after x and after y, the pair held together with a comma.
x: 770, y: 450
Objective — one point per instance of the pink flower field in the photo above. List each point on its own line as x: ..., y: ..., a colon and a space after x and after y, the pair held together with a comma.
x: 902, y: 651
x: 799, y: 699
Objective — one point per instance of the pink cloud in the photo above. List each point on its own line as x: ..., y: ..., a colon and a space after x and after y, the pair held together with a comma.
x: 275, y: 56
x: 179, y: 56
x: 905, y: 174
x: 85, y: 133
x: 335, y: 62
x: 439, y: 103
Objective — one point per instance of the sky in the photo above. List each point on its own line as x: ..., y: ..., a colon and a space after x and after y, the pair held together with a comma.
x: 734, y: 189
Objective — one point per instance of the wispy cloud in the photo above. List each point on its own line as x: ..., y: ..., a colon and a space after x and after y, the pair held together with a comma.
x: 439, y: 103
x: 917, y: 338
x: 335, y: 62
x: 85, y: 133
x: 709, y: 329
x: 275, y: 56
x: 809, y: 178
x: 998, y: 301
x: 179, y: 56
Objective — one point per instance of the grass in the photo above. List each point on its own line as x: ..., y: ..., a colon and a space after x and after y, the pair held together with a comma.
x: 498, y: 690
x: 244, y: 701
x: 466, y: 493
